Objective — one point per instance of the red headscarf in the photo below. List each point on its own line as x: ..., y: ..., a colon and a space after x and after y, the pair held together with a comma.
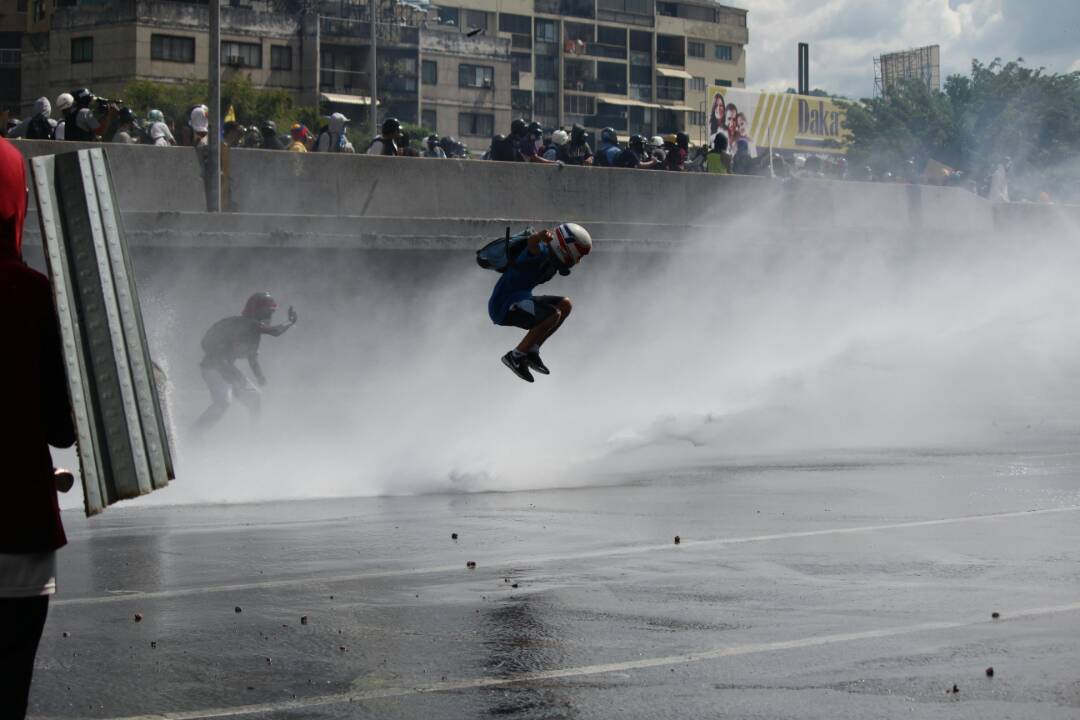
x: 12, y: 200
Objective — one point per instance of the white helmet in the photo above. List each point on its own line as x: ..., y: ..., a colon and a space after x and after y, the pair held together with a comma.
x: 656, y: 141
x: 559, y: 137
x: 571, y: 243
x: 64, y: 101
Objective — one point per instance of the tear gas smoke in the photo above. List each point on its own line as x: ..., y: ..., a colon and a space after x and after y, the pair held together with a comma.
x: 732, y: 346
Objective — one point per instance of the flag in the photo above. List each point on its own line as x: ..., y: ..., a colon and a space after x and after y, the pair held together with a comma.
x: 230, y: 114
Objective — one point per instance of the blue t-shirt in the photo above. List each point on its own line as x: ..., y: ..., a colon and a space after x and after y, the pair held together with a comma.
x: 517, y: 283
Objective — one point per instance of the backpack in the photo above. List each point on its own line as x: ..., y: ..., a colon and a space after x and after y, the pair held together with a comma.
x: 499, y: 254
x: 504, y: 150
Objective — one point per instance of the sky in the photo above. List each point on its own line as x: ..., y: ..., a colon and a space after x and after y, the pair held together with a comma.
x: 845, y: 36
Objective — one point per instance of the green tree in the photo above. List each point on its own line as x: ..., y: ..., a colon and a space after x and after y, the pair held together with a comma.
x: 1001, y: 110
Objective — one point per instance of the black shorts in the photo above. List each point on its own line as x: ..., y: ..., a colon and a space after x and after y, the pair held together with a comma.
x: 527, y: 314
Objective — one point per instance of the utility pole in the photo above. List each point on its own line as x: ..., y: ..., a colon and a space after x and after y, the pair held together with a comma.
x: 373, y: 72
x: 804, y: 68
x: 214, y: 136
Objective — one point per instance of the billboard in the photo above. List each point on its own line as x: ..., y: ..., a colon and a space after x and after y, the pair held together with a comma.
x: 783, y: 121
x: 923, y: 64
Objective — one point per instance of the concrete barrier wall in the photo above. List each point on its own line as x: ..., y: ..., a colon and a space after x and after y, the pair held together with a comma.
x: 456, y: 197
x: 148, y: 179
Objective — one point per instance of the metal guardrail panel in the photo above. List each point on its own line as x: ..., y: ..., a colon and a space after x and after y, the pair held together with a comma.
x: 123, y: 441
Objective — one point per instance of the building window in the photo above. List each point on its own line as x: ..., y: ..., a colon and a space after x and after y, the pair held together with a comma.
x: 521, y: 102
x: 722, y: 83
x: 476, y: 19
x: 477, y: 76
x: 547, y: 30
x: 669, y: 88
x: 516, y: 24
x: 579, y: 104
x: 82, y: 49
x: 447, y: 16
x: 476, y: 124
x: 697, y: 83
x: 641, y: 75
x: 280, y: 57
x: 238, y: 54
x: 172, y: 48
x: 429, y: 72
x: 615, y: 37
x: 546, y: 104
x: 521, y: 62
x: 547, y: 67
x: 427, y: 119
x: 670, y: 50
x: 723, y: 52
x: 696, y: 118
x: 695, y: 48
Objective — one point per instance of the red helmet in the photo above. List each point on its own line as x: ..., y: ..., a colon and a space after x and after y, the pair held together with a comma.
x: 260, y: 306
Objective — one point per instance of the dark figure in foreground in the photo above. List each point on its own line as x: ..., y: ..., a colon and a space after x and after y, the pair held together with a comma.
x: 512, y: 302
x: 35, y: 413
x: 232, y: 339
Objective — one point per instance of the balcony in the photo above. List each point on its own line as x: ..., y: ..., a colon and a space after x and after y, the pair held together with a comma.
x: 592, y: 85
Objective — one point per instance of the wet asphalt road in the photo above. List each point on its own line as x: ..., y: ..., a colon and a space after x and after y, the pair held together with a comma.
x: 858, y: 588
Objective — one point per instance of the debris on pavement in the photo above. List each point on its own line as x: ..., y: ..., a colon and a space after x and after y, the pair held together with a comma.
x: 138, y: 617
x: 453, y: 536
x: 990, y: 671
x: 237, y: 609
x: 677, y: 540
x: 995, y: 615
x: 471, y: 564
x: 303, y: 619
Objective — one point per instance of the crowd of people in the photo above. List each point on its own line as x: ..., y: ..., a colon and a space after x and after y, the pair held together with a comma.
x: 83, y: 116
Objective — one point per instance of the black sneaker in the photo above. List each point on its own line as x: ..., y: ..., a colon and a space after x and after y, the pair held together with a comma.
x: 536, y: 363
x: 518, y: 366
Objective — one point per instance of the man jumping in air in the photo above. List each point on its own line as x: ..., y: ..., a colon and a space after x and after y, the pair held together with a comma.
x: 513, y: 303
x: 229, y: 340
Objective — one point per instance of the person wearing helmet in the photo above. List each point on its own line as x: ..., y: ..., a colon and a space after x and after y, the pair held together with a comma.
x: 433, y: 150
x: 231, y: 339
x: 635, y: 155
x: 386, y: 144
x: 528, y: 146
x: 608, y: 149
x: 676, y: 151
x: 64, y: 101
x: 453, y: 148
x: 404, y: 143
x: 558, y: 139
x: 126, y: 130
x: 577, y: 151
x: 160, y: 134
x: 81, y: 123
x: 270, y: 139
x: 512, y: 302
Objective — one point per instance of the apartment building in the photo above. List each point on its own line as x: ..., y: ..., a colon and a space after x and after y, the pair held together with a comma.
x: 640, y: 66
x: 12, y: 23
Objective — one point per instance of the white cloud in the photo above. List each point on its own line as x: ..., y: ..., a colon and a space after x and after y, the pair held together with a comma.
x: 846, y: 35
